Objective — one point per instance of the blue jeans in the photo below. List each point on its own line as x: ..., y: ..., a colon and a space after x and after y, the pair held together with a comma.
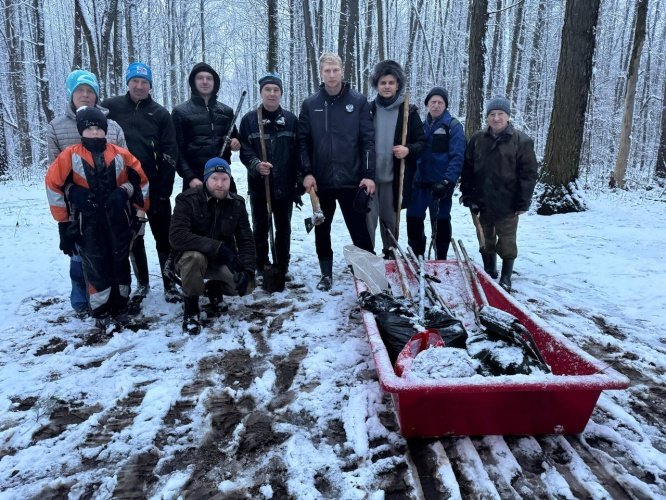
x: 79, y: 295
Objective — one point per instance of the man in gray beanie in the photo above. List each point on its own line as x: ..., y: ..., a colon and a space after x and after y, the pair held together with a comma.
x: 497, y: 183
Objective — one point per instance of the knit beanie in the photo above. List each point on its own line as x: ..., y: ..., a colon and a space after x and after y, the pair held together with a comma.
x: 440, y: 91
x: 216, y: 165
x: 500, y: 103
x: 139, y: 70
x: 388, y: 67
x: 81, y: 77
x: 270, y: 78
x: 87, y: 116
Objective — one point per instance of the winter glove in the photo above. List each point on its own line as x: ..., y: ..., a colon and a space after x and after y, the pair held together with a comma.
x: 68, y: 237
x: 227, y: 257
x: 82, y: 198
x: 242, y: 281
x: 117, y: 200
x: 440, y: 189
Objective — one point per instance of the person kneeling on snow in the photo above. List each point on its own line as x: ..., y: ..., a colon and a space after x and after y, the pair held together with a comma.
x: 211, y: 235
x: 95, y: 190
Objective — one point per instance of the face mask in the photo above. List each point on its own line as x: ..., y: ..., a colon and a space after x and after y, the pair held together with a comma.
x: 94, y: 145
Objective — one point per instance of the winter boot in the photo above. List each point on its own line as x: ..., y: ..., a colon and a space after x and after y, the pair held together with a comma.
x: 507, y: 270
x: 103, y: 321
x: 213, y: 290
x: 191, y: 323
x: 326, y: 281
x: 140, y: 265
x: 490, y: 264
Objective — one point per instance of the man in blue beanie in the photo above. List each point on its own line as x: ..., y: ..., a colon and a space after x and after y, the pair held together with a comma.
x: 212, y: 240
x: 151, y: 137
x: 497, y: 183
x: 82, y: 90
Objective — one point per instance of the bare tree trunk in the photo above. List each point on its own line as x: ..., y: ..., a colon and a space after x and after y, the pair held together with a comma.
x: 16, y: 55
x: 173, y: 63
x: 88, y: 37
x: 4, y: 152
x: 536, y: 61
x: 517, y: 45
x: 40, y: 55
x: 273, y: 35
x: 381, y: 43
x: 365, y: 63
x: 130, y: 16
x: 572, y: 86
x: 477, y: 54
x: 77, y: 59
x: 202, y: 29
x: 413, y: 33
x: 495, y: 52
x: 347, y: 38
x: 117, y: 75
x: 660, y: 167
x: 618, y: 176
x: 105, y: 45
x: 310, y: 50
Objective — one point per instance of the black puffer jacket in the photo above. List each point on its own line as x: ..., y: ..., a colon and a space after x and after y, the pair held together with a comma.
x: 500, y: 172
x: 281, y: 150
x: 150, y: 137
x: 336, y: 138
x: 201, y: 222
x: 415, y: 144
x: 200, y: 128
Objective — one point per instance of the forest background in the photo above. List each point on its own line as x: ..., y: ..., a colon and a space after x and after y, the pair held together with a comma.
x: 587, y: 78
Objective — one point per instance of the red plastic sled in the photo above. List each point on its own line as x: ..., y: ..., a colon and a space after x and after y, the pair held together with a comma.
x: 557, y: 403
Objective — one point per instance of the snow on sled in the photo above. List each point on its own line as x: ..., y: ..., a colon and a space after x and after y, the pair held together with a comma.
x: 559, y: 402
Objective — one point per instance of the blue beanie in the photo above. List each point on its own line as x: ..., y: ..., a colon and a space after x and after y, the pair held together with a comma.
x: 139, y: 70
x: 81, y: 77
x: 216, y: 165
x: 498, y: 103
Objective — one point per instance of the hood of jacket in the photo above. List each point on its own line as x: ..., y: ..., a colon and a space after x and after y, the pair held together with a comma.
x: 198, y: 68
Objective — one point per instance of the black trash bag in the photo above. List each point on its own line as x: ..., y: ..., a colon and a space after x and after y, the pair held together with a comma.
x: 395, y: 330
x: 384, y: 302
x: 451, y: 329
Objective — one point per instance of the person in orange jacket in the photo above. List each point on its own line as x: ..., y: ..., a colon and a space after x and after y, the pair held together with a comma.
x: 98, y: 194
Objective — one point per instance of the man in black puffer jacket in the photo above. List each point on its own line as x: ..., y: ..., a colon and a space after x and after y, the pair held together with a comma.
x: 211, y: 235
x: 281, y: 167
x: 336, y: 139
x: 152, y: 139
x: 201, y: 125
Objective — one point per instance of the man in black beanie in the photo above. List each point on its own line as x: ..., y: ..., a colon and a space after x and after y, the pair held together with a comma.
x: 497, y: 183
x: 280, y: 166
x: 387, y: 111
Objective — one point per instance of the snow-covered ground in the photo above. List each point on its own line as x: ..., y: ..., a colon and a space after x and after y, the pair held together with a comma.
x: 280, y: 399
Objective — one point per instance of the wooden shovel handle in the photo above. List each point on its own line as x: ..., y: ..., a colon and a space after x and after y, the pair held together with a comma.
x: 315, y: 201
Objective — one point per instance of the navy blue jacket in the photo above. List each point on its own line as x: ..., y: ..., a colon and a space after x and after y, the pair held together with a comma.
x: 444, y: 152
x: 336, y: 138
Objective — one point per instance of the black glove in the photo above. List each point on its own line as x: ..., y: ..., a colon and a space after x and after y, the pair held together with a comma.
x: 82, y: 198
x: 118, y: 199
x: 227, y: 256
x: 68, y: 237
x: 241, y: 280
x: 440, y: 189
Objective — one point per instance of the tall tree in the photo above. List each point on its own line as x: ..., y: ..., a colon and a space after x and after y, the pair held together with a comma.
x: 40, y: 60
x: 660, y: 167
x: 517, y: 45
x: 4, y: 152
x: 130, y: 17
x: 476, y: 65
x: 618, y: 176
x: 273, y: 35
x: 381, y: 43
x: 202, y: 29
x: 310, y: 47
x: 347, y: 38
x: 572, y: 86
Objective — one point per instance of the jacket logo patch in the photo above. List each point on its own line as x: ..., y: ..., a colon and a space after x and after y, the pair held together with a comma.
x: 349, y: 108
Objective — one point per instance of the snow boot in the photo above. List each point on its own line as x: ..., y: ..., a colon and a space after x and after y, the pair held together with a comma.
x: 326, y: 281
x: 213, y: 290
x: 191, y: 323
x: 507, y: 270
x: 490, y: 264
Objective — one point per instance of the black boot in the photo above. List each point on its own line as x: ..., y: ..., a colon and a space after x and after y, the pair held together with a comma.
x: 213, y: 290
x: 490, y: 264
x: 507, y: 270
x: 326, y: 281
x: 191, y: 323
x: 140, y: 266
x: 171, y: 293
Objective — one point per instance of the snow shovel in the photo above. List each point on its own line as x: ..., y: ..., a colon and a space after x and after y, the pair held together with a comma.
x: 367, y: 267
x: 500, y: 322
x: 317, y: 214
x: 274, y: 274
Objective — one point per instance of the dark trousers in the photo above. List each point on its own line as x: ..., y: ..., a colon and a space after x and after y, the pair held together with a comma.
x: 440, y: 218
x: 282, y: 210
x: 499, y: 232
x: 159, y: 218
x: 355, y: 222
x: 104, y: 251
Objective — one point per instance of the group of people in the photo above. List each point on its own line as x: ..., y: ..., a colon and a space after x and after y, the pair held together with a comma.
x: 114, y: 163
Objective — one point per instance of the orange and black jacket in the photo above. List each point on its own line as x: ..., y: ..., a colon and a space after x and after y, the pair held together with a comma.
x: 71, y: 165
